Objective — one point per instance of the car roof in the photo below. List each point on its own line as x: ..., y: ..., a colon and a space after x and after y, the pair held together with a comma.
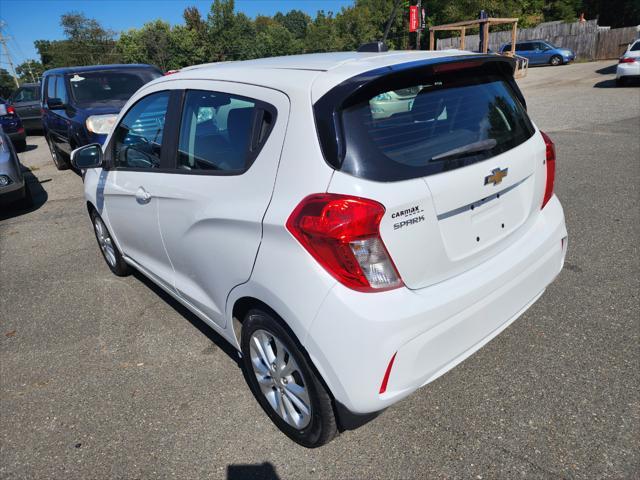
x: 92, y: 68
x: 317, y: 71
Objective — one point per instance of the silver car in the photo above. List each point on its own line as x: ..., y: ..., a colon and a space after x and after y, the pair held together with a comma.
x: 13, y: 186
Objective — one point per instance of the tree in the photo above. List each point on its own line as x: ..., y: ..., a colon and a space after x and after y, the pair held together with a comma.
x: 87, y: 43
x: 30, y: 71
x: 296, y: 21
x: 7, y: 84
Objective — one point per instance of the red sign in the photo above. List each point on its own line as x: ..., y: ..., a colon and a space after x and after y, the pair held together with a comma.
x: 414, y: 18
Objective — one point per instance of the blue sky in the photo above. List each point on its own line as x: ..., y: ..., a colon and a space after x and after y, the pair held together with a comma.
x: 29, y: 20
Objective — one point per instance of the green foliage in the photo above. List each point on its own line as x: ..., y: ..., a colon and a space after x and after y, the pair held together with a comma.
x: 7, y: 84
x: 29, y: 71
x: 225, y: 34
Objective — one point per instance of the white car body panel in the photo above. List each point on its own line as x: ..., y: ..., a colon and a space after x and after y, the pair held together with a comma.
x: 212, y: 241
x: 630, y: 69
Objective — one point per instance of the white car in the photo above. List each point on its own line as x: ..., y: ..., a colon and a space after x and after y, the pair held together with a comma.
x: 629, y: 64
x: 350, y: 259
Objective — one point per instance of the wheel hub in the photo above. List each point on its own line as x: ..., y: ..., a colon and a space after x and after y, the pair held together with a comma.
x: 280, y: 379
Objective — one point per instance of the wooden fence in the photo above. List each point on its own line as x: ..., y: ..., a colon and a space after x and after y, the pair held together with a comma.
x: 588, y: 40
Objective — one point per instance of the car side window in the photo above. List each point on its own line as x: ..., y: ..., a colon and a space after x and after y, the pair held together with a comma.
x: 215, y: 132
x: 61, y: 89
x: 51, y: 87
x: 138, y: 137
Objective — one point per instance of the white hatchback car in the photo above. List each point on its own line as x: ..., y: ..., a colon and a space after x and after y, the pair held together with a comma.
x: 350, y: 258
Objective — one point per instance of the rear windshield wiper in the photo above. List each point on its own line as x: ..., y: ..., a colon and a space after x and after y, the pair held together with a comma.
x: 475, y: 147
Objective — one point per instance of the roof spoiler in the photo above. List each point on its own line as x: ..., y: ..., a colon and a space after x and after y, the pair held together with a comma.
x: 376, y: 47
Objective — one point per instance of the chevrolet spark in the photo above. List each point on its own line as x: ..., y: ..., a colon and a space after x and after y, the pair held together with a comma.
x: 350, y: 257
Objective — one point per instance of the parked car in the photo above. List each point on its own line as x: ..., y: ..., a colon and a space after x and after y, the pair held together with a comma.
x: 351, y: 260
x: 540, y: 52
x: 13, y: 187
x: 26, y: 102
x: 12, y: 125
x: 79, y: 104
x: 629, y: 64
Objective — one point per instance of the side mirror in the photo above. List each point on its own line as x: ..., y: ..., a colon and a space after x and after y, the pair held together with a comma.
x: 89, y: 156
x: 55, y: 104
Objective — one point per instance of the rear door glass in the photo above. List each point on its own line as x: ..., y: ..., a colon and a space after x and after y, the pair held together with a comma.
x: 215, y: 131
x: 438, y: 124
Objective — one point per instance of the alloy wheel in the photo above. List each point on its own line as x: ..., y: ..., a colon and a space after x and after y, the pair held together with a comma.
x: 280, y: 379
x: 105, y: 242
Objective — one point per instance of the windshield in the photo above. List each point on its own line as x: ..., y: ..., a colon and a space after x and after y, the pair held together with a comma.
x: 438, y: 124
x: 108, y: 85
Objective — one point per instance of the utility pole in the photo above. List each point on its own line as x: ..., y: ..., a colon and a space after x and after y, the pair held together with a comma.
x: 6, y: 52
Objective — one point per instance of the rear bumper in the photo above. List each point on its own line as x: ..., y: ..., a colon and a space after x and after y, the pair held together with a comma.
x: 431, y: 330
x: 628, y: 70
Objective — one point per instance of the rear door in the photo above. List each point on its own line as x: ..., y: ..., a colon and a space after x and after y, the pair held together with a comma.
x: 228, y: 144
x: 526, y: 49
x: 461, y: 175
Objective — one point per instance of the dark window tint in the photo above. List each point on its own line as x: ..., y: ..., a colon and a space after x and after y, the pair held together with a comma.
x: 215, y: 132
x: 109, y: 84
x: 51, y: 87
x: 507, y: 47
x: 61, y: 89
x: 27, y: 94
x: 523, y: 47
x: 635, y: 47
x: 454, y: 120
x: 138, y: 137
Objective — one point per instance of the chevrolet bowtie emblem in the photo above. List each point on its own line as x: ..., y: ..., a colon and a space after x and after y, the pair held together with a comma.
x: 496, y: 176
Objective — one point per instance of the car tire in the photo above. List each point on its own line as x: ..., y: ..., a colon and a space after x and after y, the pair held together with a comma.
x: 109, y: 249
x: 306, y: 416
x: 621, y: 82
x: 59, y: 161
x: 555, y: 60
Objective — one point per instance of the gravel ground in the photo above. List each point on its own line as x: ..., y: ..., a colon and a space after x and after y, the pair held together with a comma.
x: 103, y: 377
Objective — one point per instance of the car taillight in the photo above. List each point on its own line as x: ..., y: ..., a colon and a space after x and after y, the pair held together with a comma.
x: 342, y: 233
x: 627, y: 60
x: 551, y: 168
x: 11, y: 110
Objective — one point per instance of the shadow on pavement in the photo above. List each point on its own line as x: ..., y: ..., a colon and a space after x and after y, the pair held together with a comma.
x: 211, y: 334
x: 608, y: 70
x: 613, y: 84
x: 29, y: 148
x: 39, y: 197
x: 260, y: 471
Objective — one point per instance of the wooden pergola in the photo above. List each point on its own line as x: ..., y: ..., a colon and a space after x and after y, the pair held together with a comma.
x: 483, y: 23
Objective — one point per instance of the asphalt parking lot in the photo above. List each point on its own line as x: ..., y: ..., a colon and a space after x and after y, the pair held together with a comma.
x: 105, y: 377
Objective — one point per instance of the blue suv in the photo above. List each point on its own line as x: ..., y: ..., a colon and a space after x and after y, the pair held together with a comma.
x: 80, y: 104
x: 541, y: 52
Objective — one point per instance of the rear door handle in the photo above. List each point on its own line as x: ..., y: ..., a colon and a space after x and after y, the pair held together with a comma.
x: 142, y: 196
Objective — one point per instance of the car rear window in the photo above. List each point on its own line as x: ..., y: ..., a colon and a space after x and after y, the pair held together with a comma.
x: 106, y: 85
x: 437, y: 123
